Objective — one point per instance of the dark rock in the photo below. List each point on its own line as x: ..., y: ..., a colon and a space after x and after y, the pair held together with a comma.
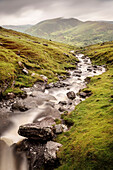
x: 77, y: 75
x: 89, y: 69
x: 85, y: 93
x: 62, y: 109
x: 71, y: 95
x: 82, y: 94
x: 87, y: 79
x: 45, y: 45
x: 19, y: 106
x: 63, y: 102
x: 23, y: 95
x: 78, y: 71
x: 34, y: 131
x: 66, y: 54
x: 10, y: 96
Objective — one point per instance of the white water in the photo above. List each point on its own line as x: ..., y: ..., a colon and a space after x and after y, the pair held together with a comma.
x: 76, y: 83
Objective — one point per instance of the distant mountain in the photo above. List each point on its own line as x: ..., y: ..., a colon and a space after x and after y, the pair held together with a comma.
x: 73, y: 31
x: 45, y: 28
x: 20, y: 28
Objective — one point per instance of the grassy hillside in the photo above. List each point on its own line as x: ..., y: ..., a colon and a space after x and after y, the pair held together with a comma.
x: 89, y: 143
x: 37, y: 56
x: 45, y: 28
x: 73, y: 31
x: 86, y: 34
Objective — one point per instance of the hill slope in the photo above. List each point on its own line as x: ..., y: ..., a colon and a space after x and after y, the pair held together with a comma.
x: 20, y: 28
x: 73, y: 31
x: 89, y: 143
x: 45, y: 28
x: 23, y: 58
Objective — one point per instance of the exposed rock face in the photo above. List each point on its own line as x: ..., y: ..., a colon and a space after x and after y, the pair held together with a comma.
x: 34, y: 131
x: 71, y: 95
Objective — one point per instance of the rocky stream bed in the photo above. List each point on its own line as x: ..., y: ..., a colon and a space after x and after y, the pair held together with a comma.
x: 28, y: 123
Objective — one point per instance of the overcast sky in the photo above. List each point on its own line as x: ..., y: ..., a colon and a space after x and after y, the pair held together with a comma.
x: 18, y: 12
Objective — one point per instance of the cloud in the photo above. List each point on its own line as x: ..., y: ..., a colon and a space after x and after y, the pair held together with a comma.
x: 33, y: 11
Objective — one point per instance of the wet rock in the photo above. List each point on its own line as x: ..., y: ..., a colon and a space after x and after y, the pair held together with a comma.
x: 89, y: 69
x: 19, y: 106
x: 71, y: 95
x: 49, y: 112
x: 82, y: 94
x: 77, y: 75
x: 51, y: 149
x: 34, y: 131
x: 62, y: 109
x: 23, y: 95
x: 78, y: 71
x: 46, y: 122
x: 63, y: 102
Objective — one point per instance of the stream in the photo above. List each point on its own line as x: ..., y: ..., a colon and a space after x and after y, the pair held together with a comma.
x: 52, y: 102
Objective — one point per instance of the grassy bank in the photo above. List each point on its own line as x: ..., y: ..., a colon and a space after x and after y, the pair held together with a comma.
x: 37, y: 56
x: 89, y: 142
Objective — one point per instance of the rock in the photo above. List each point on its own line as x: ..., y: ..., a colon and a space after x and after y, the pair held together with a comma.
x: 66, y: 54
x: 45, y: 45
x: 82, y: 94
x: 35, y: 132
x: 87, y: 79
x: 49, y: 112
x: 77, y: 75
x: 78, y: 71
x: 47, y: 121
x: 25, y: 71
x: 63, y: 102
x: 23, y: 95
x: 39, y: 154
x: 62, y: 109
x: 71, y: 95
x: 89, y: 69
x: 19, y: 106
x: 51, y: 149
x: 1, y: 44
x: 20, y: 64
x: 86, y: 93
x: 44, y: 78
x: 58, y: 128
x: 10, y: 96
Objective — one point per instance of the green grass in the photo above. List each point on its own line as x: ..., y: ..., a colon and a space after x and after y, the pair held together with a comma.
x: 88, y: 145
x: 37, y: 58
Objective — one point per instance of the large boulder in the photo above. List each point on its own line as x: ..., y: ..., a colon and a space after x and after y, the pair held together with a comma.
x: 71, y: 95
x: 34, y: 131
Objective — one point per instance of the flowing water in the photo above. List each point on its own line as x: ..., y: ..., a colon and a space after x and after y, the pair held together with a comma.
x: 75, y: 83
